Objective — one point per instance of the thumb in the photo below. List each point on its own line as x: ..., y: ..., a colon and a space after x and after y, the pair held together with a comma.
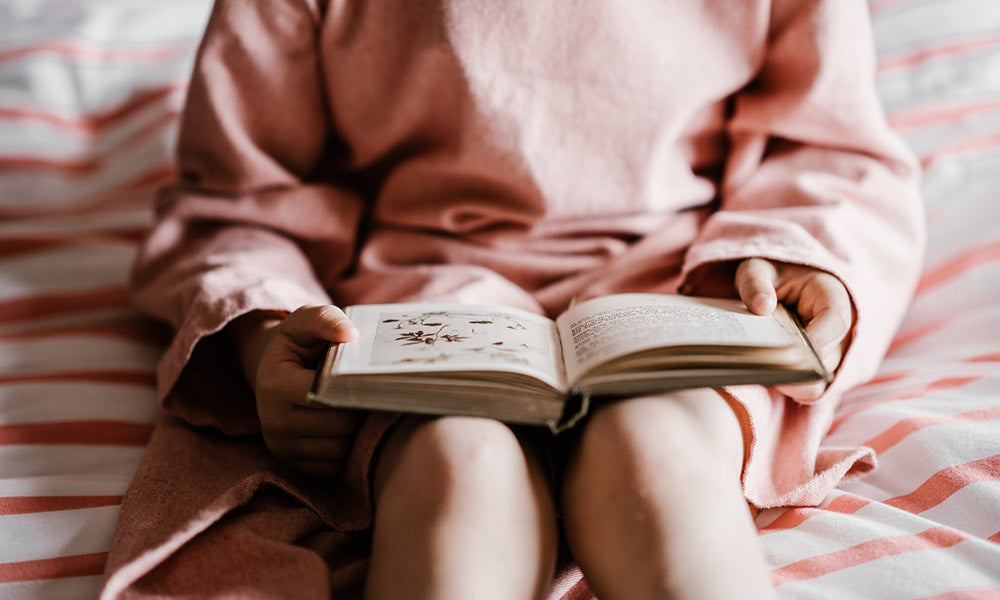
x: 755, y: 283
x: 310, y: 326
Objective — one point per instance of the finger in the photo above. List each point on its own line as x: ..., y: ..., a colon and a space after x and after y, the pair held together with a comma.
x: 755, y: 283
x: 828, y: 328
x: 285, y: 387
x: 803, y: 392
x: 822, y: 302
x: 284, y: 381
x: 311, y: 324
x: 813, y: 291
x: 303, y: 336
x: 806, y: 392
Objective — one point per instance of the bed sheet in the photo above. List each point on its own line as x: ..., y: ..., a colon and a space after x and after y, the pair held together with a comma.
x: 90, y: 91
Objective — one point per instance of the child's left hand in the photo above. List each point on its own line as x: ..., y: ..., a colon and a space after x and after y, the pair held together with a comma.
x: 819, y: 298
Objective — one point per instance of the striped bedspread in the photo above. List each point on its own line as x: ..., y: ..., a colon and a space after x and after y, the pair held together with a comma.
x: 90, y: 91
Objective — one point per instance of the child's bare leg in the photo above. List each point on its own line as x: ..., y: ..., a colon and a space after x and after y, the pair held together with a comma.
x: 653, y: 505
x: 462, y: 511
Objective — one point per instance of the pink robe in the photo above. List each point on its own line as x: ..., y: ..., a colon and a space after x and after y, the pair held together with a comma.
x: 523, y: 152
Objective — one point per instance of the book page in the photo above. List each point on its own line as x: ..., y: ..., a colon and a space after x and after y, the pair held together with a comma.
x: 607, y: 327
x: 451, y: 337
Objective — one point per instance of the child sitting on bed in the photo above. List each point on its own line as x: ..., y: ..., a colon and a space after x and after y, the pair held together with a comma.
x: 524, y: 153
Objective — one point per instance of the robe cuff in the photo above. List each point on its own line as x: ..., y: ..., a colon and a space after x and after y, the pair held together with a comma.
x: 199, y: 378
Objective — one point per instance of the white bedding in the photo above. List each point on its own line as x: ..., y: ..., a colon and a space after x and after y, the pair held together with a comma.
x: 89, y: 95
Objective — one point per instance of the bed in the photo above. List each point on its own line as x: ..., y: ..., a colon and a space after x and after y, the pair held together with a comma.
x: 90, y: 91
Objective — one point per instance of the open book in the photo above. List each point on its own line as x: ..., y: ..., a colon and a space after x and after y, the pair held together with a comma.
x: 520, y: 367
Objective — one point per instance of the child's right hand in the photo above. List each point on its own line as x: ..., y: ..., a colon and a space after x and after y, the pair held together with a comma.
x: 278, y: 353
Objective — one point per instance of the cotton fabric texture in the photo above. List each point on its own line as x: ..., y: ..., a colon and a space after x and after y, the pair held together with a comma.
x: 525, y: 152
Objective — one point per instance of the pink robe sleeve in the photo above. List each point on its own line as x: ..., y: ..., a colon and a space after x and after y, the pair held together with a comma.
x: 247, y: 226
x: 815, y: 176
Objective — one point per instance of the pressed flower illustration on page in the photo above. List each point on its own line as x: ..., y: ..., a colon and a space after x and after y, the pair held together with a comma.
x: 443, y: 337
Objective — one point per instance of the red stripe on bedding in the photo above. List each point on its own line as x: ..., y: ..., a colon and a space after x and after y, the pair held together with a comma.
x: 923, y: 55
x: 970, y: 259
x: 946, y: 482
x: 80, y: 51
x: 874, y: 382
x: 922, y: 117
x: 153, y: 178
x: 883, y: 379
x: 855, y: 397
x: 81, y: 167
x: 906, y: 337
x: 967, y: 594
x: 865, y: 552
x: 995, y: 538
x: 966, y: 145
x: 123, y: 194
x: 901, y: 429
x: 978, y: 256
x: 47, y: 305
x: 102, y: 433
x: 945, y: 383
x: 111, y: 376
x: 80, y: 565
x: 22, y: 505
x: 938, y: 488
x: 135, y: 330
x: 92, y: 124
x: 21, y: 164
x: 844, y: 504
x: 15, y: 244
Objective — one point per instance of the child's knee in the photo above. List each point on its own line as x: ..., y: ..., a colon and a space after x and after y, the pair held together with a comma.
x: 444, y: 456
x: 655, y: 435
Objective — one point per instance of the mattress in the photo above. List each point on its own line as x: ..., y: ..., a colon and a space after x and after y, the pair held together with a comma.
x: 90, y: 92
